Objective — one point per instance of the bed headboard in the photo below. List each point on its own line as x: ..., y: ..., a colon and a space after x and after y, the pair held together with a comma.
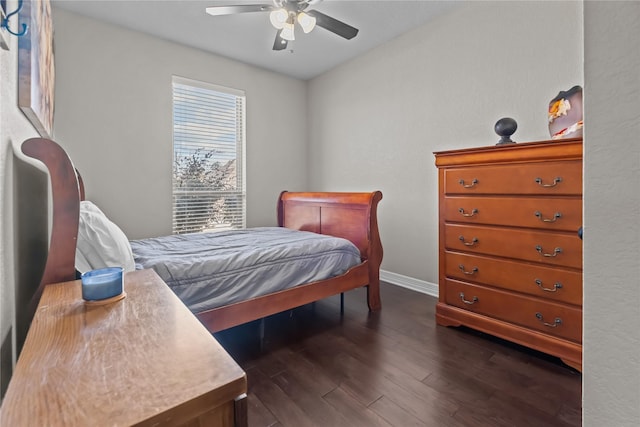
x: 65, y: 193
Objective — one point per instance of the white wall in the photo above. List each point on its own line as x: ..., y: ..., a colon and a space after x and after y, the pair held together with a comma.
x: 113, y: 115
x: 611, y: 380
x: 374, y: 122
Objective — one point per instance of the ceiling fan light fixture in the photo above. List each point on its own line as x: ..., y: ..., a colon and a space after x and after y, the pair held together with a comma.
x: 307, y: 22
x: 283, y: 15
x: 278, y: 18
x: 287, y: 32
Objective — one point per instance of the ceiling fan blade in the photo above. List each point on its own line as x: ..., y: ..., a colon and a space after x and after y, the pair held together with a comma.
x: 279, y: 43
x: 241, y: 8
x: 333, y: 25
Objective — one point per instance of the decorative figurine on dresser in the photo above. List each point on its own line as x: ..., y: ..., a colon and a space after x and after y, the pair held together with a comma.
x: 565, y: 114
x: 510, y: 260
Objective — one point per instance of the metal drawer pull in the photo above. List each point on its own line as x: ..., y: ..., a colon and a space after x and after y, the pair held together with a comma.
x: 557, y: 321
x: 473, y: 301
x: 554, y: 219
x: 556, y: 180
x: 554, y: 289
x: 468, y: 273
x: 555, y: 253
x: 473, y: 183
x: 473, y: 212
x: 471, y: 243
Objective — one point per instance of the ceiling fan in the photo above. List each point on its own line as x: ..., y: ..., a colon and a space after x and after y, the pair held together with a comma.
x: 284, y: 14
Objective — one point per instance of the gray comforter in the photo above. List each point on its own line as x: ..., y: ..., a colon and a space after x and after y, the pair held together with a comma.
x: 208, y: 270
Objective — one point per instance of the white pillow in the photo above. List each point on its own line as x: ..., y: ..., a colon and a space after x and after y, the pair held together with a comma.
x: 101, y: 243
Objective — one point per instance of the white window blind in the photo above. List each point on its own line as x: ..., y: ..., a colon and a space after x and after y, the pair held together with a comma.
x: 208, y: 157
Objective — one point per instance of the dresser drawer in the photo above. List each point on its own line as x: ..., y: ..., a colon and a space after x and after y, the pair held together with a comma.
x: 547, y: 178
x: 545, y: 316
x: 552, y: 283
x: 554, y: 213
x: 553, y: 248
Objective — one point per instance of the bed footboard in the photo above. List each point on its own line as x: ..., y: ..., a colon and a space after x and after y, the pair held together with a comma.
x: 352, y: 216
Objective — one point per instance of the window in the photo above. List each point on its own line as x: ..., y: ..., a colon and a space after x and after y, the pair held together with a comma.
x: 208, y: 157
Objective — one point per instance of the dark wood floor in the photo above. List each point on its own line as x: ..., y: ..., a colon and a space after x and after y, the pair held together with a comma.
x: 395, y: 367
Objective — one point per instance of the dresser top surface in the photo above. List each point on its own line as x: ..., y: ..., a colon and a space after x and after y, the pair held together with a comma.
x: 564, y: 149
x: 116, y: 364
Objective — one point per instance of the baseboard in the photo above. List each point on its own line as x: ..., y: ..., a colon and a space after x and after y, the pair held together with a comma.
x: 409, y: 283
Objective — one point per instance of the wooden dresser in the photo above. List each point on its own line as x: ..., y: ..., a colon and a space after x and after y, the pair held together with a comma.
x: 510, y: 260
x: 144, y: 360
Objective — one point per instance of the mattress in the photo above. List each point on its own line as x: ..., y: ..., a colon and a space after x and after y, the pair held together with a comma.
x: 208, y: 270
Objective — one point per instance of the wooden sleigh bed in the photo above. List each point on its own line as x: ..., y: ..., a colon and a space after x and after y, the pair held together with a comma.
x: 352, y: 216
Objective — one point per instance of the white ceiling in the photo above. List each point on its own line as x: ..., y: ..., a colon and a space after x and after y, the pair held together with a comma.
x: 249, y: 37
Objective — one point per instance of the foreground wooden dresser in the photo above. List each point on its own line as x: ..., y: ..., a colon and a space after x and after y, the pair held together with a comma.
x: 510, y: 256
x: 144, y: 360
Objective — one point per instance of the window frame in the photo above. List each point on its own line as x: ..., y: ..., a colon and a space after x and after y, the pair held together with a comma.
x: 240, y: 145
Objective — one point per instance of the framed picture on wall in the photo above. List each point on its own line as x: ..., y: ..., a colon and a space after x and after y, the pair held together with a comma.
x: 3, y: 33
x: 36, y: 71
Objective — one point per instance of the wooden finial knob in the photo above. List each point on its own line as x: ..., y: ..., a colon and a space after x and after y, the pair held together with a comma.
x: 505, y: 127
